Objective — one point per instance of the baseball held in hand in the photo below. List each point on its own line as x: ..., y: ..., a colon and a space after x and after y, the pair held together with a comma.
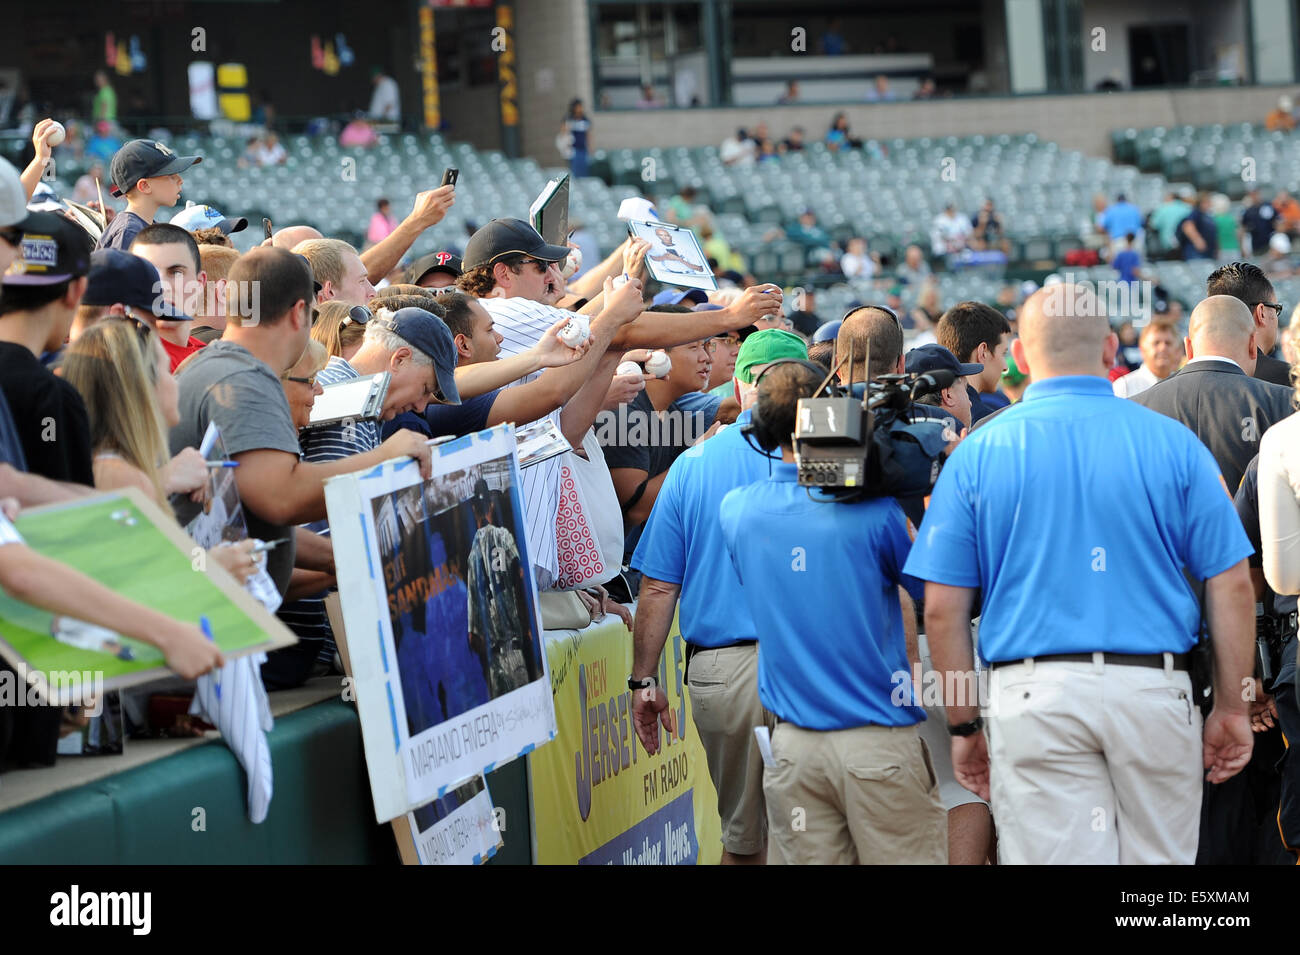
x: 57, y: 134
x: 658, y: 364
x: 575, y: 332
x: 572, y: 263
x: 628, y: 368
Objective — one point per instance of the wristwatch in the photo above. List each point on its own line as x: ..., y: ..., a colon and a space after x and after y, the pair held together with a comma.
x: 967, y: 729
x: 644, y: 683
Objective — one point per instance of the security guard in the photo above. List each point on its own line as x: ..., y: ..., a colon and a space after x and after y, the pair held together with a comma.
x: 1082, y: 510
x: 681, y: 554
x: 850, y: 779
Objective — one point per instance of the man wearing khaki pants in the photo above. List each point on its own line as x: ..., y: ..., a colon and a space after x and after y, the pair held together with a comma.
x: 1083, y: 511
x: 850, y: 780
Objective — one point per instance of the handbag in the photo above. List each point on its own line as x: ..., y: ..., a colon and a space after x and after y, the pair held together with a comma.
x: 589, y: 522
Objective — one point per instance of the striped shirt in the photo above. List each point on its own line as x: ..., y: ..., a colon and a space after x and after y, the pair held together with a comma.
x: 522, y: 323
x: 306, y: 617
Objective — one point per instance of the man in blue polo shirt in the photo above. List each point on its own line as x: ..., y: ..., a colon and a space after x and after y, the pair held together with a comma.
x: 850, y: 779
x: 681, y: 553
x: 1094, y: 751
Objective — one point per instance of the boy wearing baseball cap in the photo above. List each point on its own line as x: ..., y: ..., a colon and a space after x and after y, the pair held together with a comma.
x: 149, y: 175
x: 37, y: 305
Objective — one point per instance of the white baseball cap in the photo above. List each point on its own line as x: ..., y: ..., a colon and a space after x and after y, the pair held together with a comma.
x: 192, y: 218
x: 13, y: 197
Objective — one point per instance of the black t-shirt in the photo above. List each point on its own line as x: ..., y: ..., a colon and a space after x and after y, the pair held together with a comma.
x: 121, y: 232
x: 49, y: 416
x: 642, y: 439
x: 1258, y: 221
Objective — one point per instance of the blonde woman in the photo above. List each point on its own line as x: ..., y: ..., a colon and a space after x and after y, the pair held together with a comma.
x: 299, y: 383
x: 122, y: 372
x: 340, y: 327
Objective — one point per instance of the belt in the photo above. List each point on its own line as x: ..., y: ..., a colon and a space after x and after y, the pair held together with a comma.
x: 1154, y: 660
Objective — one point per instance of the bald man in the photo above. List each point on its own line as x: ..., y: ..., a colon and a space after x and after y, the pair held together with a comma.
x: 1214, y: 393
x: 290, y: 236
x: 1076, y: 513
x: 869, y: 332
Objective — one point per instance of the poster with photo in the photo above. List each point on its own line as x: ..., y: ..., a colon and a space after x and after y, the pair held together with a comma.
x: 128, y: 543
x: 221, y: 518
x: 458, y: 829
x: 438, y: 571
x: 675, y: 257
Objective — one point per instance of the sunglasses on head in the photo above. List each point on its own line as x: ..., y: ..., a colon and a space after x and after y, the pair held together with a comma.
x: 358, y: 315
x: 879, y: 308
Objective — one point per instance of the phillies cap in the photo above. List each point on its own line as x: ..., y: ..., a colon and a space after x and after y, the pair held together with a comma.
x: 54, y: 249
x: 144, y: 159
x: 672, y: 296
x: 428, y: 333
x: 13, y: 197
x: 765, y: 347
x: 193, y: 218
x: 933, y: 357
x: 434, y: 262
x: 120, y: 278
x: 502, y: 237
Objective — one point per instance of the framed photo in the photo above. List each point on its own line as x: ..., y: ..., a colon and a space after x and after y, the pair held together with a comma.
x: 675, y: 256
x: 440, y: 608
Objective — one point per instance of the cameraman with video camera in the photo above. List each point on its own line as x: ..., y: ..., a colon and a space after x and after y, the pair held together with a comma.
x: 850, y: 779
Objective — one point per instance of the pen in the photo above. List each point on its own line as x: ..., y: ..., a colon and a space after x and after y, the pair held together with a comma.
x: 262, y: 547
x: 207, y: 632
x: 223, y: 464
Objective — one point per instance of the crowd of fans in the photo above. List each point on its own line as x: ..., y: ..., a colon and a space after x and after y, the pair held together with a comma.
x: 126, y: 343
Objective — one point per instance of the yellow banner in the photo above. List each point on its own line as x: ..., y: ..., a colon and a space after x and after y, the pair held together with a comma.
x: 597, y: 797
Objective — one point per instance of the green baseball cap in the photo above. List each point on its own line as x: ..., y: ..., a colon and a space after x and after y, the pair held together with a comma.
x: 1013, y: 375
x: 765, y: 347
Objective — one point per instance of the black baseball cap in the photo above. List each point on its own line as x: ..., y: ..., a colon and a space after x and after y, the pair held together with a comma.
x: 933, y: 357
x: 430, y: 334
x: 502, y: 237
x: 434, y: 262
x: 120, y: 278
x: 144, y: 159
x: 53, y: 249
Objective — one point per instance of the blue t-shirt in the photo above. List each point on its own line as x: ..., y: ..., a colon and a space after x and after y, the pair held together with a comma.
x: 1121, y: 219
x: 1126, y: 263
x: 11, y: 445
x: 469, y: 416
x: 830, y: 656
x: 1076, y: 512
x: 682, y: 540
x: 121, y: 232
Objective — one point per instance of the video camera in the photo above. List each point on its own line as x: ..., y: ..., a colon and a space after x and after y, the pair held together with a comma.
x: 874, y: 445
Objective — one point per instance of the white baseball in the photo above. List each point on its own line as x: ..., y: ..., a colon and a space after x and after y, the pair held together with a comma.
x: 658, y: 364
x: 575, y: 332
x: 58, y: 135
x: 620, y: 281
x: 628, y: 368
x: 572, y: 263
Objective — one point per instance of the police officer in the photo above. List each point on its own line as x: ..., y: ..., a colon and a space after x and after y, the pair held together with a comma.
x: 850, y: 780
x: 681, y: 554
x: 1094, y: 748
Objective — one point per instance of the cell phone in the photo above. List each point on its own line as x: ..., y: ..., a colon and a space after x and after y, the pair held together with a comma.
x: 449, y: 177
x: 266, y: 225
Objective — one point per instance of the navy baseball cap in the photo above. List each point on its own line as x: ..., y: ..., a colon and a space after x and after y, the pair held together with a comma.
x: 120, y: 278
x: 53, y: 249
x: 430, y: 334
x: 827, y: 332
x: 673, y: 296
x: 434, y: 262
x: 927, y: 358
x: 502, y: 237
x: 144, y: 159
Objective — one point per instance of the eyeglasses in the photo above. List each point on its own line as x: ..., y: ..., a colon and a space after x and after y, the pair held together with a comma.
x: 1275, y: 306
x: 309, y: 382
x: 541, y: 266
x: 731, y: 341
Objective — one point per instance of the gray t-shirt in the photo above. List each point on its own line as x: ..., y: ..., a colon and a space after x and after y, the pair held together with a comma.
x: 226, y: 384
